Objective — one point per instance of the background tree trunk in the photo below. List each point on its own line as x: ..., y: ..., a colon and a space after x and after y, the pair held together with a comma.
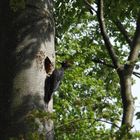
x: 127, y: 100
x: 125, y: 75
x: 26, y: 39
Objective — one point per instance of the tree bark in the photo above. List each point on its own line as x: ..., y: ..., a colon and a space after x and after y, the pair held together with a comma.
x: 26, y: 39
x: 127, y: 98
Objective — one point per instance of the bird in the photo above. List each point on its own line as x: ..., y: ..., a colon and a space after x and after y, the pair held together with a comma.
x: 53, y: 81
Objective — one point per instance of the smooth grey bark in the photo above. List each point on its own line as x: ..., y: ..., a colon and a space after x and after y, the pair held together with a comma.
x: 127, y: 97
x: 26, y: 39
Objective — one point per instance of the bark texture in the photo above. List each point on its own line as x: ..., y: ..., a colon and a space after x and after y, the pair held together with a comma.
x: 26, y: 39
x: 127, y: 98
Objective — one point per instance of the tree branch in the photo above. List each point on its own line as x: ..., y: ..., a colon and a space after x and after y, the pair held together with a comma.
x: 136, y: 43
x: 124, y: 32
x: 102, y: 62
x: 111, y: 66
x: 82, y: 119
x: 107, y: 122
x: 136, y: 74
x: 100, y: 15
x: 90, y: 7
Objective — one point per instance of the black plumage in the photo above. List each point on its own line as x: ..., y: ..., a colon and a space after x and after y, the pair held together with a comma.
x: 52, y: 82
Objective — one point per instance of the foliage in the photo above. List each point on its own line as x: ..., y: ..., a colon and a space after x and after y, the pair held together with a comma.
x: 89, y: 97
x: 87, y: 92
x: 136, y: 134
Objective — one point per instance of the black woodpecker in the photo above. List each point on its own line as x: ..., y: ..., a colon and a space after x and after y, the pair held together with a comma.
x: 52, y: 82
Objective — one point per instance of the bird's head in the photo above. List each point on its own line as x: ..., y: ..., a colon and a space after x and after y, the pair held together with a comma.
x: 66, y: 64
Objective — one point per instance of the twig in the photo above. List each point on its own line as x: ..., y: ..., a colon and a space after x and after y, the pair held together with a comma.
x: 136, y: 74
x: 102, y: 62
x: 108, y: 122
x: 81, y: 119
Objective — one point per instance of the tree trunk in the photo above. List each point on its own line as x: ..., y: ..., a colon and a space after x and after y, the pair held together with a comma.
x: 26, y: 39
x: 127, y: 99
